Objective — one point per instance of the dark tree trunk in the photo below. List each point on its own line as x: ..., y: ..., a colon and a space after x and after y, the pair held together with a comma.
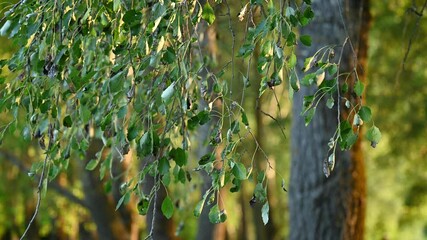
x: 108, y: 223
x: 334, y: 207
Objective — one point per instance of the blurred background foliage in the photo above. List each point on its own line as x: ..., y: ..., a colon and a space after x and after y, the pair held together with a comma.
x: 396, y: 169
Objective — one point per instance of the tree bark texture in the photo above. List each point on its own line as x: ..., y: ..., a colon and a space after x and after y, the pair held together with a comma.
x: 334, y: 207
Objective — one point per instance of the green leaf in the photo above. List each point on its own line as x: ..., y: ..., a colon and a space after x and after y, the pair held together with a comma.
x: 358, y: 88
x: 26, y: 133
x: 245, y: 50
x: 214, y: 215
x: 91, y: 165
x: 168, y: 93
x: 344, y: 88
x: 374, y: 135
x: 179, y: 156
x: 237, y: 184
x: 181, y: 175
x: 133, y: 133
x: 260, y: 193
x: 309, y: 115
x: 239, y: 171
x: 293, y: 80
x: 208, y: 13
x: 116, y: 82
x: 143, y: 205
x: 85, y: 114
x: 5, y: 28
x: 235, y: 127
x: 244, y: 118
x: 330, y: 102
x: 365, y: 113
x: 146, y: 145
x: 223, y: 216
x: 347, y: 136
x: 67, y: 121
x: 124, y: 199
x: 203, y: 117
x: 264, y: 213
x: 199, y: 207
x: 308, y: 79
x: 207, y: 159
x: 309, y: 63
x: 167, y: 207
x: 132, y: 17
x: 116, y: 5
x: 332, y: 69
x: 292, y: 60
x: 163, y: 166
x: 305, y: 39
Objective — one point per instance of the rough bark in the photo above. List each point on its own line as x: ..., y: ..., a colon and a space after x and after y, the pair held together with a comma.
x: 334, y: 207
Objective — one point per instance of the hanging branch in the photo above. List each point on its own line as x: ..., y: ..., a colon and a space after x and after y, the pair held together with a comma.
x: 40, y: 185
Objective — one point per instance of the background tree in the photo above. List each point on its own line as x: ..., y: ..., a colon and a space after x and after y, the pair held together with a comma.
x: 333, y: 207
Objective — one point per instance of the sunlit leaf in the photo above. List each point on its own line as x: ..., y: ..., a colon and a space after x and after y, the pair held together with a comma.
x: 208, y: 13
x: 91, y: 165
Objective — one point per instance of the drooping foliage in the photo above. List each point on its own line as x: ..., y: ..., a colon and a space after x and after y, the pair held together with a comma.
x: 130, y: 73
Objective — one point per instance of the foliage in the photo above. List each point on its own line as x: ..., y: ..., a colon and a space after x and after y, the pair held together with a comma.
x: 133, y: 75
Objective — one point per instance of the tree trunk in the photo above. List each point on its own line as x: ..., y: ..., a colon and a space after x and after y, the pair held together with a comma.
x: 108, y: 223
x: 334, y: 207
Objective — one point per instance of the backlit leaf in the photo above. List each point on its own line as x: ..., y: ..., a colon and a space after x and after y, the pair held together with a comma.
x: 208, y: 13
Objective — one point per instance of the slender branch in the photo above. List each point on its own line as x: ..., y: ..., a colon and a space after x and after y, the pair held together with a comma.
x: 414, y: 32
x: 12, y: 9
x: 40, y: 185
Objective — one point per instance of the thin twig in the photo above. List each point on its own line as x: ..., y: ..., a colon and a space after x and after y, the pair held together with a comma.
x: 12, y: 9
x: 40, y: 185
x: 411, y: 38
